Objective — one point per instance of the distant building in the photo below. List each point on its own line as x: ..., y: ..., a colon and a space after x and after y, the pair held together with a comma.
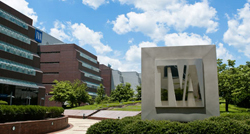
x: 68, y: 62
x: 47, y: 39
x: 106, y: 73
x: 112, y: 78
x: 20, y: 74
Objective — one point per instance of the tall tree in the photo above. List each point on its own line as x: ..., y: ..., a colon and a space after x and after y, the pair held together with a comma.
x: 122, y: 92
x: 226, y: 77
x: 80, y: 90
x: 100, y: 94
x: 138, y: 95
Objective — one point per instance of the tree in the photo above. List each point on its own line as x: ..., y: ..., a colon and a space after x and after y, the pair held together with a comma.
x: 122, y: 92
x: 80, y: 90
x: 226, y: 77
x: 138, y: 95
x: 100, y: 94
x: 60, y: 91
x: 66, y: 91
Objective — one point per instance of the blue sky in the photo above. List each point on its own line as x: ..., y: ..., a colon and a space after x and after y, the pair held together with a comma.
x: 115, y: 30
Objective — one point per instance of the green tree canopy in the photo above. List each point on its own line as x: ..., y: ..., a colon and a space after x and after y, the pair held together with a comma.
x: 138, y: 95
x: 66, y: 91
x: 122, y: 92
x: 100, y: 94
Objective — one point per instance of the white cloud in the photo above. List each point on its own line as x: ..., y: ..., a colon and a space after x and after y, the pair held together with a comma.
x: 58, y: 31
x: 238, y: 33
x: 22, y: 6
x: 90, y: 37
x: 115, y: 63
x: 159, y: 16
x: 94, y: 3
x: 182, y: 39
x: 223, y: 53
x: 130, y: 41
x: 134, y: 52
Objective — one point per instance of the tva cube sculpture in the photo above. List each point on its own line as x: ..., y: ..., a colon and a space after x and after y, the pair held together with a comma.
x: 179, y: 83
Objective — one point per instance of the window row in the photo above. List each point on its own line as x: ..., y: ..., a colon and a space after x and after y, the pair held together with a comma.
x: 14, y: 34
x: 13, y: 19
x: 90, y: 67
x: 92, y: 76
x: 15, y: 50
x: 92, y: 85
x: 87, y: 57
x: 49, y: 52
x: 18, y: 82
x: 92, y: 93
x: 17, y: 67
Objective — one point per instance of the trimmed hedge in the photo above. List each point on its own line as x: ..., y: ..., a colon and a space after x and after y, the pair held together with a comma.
x: 28, y: 112
x: 224, y: 124
x: 3, y: 102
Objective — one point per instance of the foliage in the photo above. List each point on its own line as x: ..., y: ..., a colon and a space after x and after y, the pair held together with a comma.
x: 66, y: 91
x: 28, y: 112
x: 100, y: 94
x: 225, y: 124
x: 122, y: 92
x: 138, y: 95
x: 3, y: 102
x: 234, y: 83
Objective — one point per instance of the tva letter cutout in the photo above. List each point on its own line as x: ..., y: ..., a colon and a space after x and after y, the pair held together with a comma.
x: 179, y: 83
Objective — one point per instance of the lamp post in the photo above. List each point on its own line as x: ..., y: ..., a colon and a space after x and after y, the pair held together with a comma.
x: 11, y: 97
x: 41, y: 101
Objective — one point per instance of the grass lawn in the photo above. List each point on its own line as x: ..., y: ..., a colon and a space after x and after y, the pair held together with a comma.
x: 231, y: 108
x: 100, y: 106
x: 129, y: 108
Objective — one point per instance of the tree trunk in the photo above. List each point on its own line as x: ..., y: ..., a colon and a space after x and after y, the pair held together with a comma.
x: 226, y: 105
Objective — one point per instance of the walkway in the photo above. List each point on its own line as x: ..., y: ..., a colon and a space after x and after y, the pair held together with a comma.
x: 79, y: 126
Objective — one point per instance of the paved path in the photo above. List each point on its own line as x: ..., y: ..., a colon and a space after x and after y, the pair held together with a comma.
x: 78, y: 112
x: 80, y: 126
x: 109, y: 114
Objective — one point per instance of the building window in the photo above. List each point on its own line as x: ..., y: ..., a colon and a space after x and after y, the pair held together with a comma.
x: 15, y: 50
x: 14, y: 34
x: 17, y: 82
x: 92, y: 76
x: 49, y: 62
x: 91, y: 85
x: 48, y: 83
x: 87, y: 57
x: 17, y: 67
x: 89, y: 66
x: 13, y: 19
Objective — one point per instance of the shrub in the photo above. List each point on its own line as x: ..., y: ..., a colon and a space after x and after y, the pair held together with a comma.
x: 106, y: 127
x: 27, y: 112
x: 55, y: 111
x: 224, y: 124
x: 3, y: 102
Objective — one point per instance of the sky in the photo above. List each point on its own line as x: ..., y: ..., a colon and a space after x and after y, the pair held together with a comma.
x: 116, y: 30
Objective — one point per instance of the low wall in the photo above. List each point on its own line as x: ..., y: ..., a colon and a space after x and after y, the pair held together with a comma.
x: 34, y: 126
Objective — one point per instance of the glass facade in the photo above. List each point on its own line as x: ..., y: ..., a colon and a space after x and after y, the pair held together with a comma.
x: 87, y: 57
x: 92, y: 76
x: 18, y: 95
x: 92, y: 85
x: 17, y: 67
x: 89, y: 66
x: 14, y: 34
x: 13, y: 19
x: 15, y: 50
x: 92, y: 93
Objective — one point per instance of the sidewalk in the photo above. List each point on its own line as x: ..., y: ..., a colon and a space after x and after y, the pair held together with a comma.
x: 78, y: 126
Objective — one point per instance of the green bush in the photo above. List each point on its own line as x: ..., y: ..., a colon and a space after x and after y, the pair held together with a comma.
x: 55, y: 111
x: 3, y: 102
x: 224, y: 124
x: 106, y: 127
x: 27, y: 112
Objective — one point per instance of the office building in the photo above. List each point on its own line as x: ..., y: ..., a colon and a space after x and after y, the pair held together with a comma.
x: 68, y: 62
x: 20, y: 74
x: 112, y: 78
